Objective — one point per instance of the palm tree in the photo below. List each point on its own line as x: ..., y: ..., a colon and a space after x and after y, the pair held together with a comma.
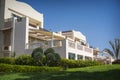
x: 115, y: 53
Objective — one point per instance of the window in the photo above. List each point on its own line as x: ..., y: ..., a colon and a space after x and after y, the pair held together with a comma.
x: 79, y: 57
x: 88, y: 58
x: 71, y: 56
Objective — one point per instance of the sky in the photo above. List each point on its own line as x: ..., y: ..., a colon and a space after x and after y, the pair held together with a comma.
x: 98, y: 20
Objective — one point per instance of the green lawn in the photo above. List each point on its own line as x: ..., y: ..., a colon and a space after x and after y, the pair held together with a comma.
x: 106, y: 72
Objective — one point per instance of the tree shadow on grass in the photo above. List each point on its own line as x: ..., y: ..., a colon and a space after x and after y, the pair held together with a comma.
x: 78, y: 75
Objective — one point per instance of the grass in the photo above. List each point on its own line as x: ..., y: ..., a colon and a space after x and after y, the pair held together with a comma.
x: 105, y: 72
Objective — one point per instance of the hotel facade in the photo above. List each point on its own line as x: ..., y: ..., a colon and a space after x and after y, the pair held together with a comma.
x: 22, y: 30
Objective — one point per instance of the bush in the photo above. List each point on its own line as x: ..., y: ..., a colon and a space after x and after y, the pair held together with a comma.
x: 7, y: 60
x: 65, y: 63
x: 24, y: 60
x: 116, y: 62
x: 21, y: 68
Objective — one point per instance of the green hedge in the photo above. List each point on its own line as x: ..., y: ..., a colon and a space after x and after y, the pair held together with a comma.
x: 116, y: 61
x: 28, y: 60
x: 7, y: 60
x: 24, y: 60
x: 78, y: 63
x: 23, y: 68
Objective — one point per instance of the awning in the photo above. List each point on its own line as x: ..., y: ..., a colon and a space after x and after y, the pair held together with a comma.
x: 45, y: 35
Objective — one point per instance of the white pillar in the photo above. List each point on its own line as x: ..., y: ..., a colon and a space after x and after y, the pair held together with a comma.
x: 75, y: 56
x: 83, y: 57
x: 13, y: 33
x: 52, y: 40
x: 27, y: 31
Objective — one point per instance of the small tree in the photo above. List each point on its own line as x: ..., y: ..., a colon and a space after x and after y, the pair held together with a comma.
x: 37, y: 55
x: 51, y: 58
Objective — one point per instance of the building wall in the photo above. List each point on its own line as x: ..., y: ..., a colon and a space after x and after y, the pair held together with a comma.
x: 22, y: 9
x: 20, y: 36
x: 2, y: 3
x: 64, y: 50
x: 61, y: 50
x: 79, y: 35
x: 19, y: 33
x: 72, y: 34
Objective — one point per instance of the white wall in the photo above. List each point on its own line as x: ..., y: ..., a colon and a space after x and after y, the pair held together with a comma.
x: 21, y: 36
x: 65, y: 49
x: 23, y: 9
x: 61, y: 50
x: 2, y: 3
x: 79, y: 35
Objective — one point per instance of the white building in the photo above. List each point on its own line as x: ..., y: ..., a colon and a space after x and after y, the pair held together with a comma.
x: 21, y: 31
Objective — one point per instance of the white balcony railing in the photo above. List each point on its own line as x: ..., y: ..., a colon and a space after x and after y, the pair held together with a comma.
x: 71, y: 44
x: 78, y: 46
x: 88, y: 49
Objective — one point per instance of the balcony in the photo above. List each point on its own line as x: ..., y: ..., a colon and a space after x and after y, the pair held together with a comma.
x: 78, y: 46
x: 71, y: 44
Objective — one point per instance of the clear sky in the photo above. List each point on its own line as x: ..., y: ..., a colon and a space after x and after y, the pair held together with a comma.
x: 98, y: 20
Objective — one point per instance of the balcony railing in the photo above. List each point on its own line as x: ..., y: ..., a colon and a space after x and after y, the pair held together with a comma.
x: 88, y: 49
x: 78, y: 46
x: 71, y: 44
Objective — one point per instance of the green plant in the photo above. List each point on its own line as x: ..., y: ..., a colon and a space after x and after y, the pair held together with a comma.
x: 116, y: 61
x: 7, y: 60
x: 37, y: 55
x: 24, y: 60
x: 47, y: 57
x: 23, y: 68
x: 49, y: 50
x: 52, y: 58
x: 13, y: 54
x: 65, y: 63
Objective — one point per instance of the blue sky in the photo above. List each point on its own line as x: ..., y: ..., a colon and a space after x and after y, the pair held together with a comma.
x: 98, y: 20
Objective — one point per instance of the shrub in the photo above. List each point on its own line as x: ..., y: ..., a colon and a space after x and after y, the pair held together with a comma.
x: 49, y: 50
x: 116, y: 62
x: 6, y: 68
x: 65, y: 63
x: 7, y: 60
x: 24, y: 60
x: 21, y: 68
x: 47, y: 57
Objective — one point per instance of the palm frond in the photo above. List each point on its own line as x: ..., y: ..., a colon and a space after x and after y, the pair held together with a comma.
x: 109, y: 52
x: 113, y: 46
x: 117, y: 43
